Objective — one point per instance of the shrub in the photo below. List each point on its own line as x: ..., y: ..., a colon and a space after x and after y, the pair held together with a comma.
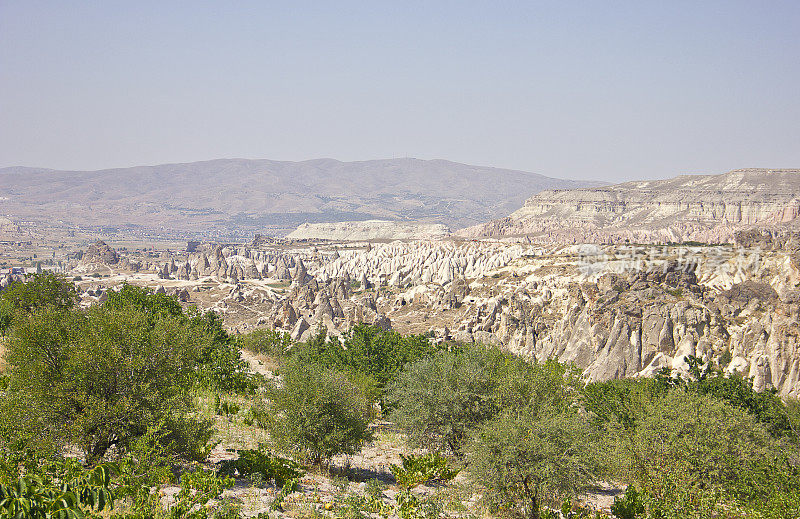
x: 147, y: 464
x: 100, y: 378
x: 374, y: 357
x: 225, y: 408
x: 252, y: 461
x: 765, y: 406
x: 144, y: 300
x: 438, y: 400
x: 198, y: 488
x: 629, y: 506
x: 35, y: 497
x: 267, y: 465
x: 274, y: 343
x: 318, y: 413
x: 220, y: 366
x: 218, y: 362
x: 686, y: 443
x: 416, y: 470
x: 529, y: 459
x: 39, y: 290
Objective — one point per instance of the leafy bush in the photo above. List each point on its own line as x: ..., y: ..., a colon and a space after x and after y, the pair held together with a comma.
x: 99, y: 378
x: 155, y: 306
x: 765, y: 406
x: 620, y: 401
x: 198, y: 488
x: 35, y: 497
x: 366, y: 352
x: 629, y: 506
x: 147, y: 464
x: 416, y: 470
x: 686, y: 444
x: 225, y: 408
x: 267, y: 465
x: 532, y: 458
x: 37, y: 291
x: 220, y: 364
x: 274, y: 343
x: 258, y: 414
x: 440, y: 399
x: 318, y: 413
x: 288, y: 487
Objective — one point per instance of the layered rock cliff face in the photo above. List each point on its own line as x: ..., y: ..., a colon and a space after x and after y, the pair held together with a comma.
x: 707, y: 208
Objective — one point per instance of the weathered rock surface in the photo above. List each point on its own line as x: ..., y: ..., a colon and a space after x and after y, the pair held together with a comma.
x: 614, y: 311
x: 100, y: 252
x: 705, y: 208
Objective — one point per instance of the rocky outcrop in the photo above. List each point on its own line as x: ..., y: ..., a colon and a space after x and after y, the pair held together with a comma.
x: 710, y: 208
x: 99, y: 253
x: 402, y: 265
x: 614, y: 311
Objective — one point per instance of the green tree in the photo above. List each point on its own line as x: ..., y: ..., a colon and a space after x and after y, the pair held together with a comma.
x: 766, y: 406
x: 219, y: 363
x: 373, y: 357
x: 37, y: 291
x: 530, y: 459
x: 687, y: 444
x: 318, y: 412
x: 99, y: 378
x: 438, y: 400
x: 144, y: 300
x: 274, y: 343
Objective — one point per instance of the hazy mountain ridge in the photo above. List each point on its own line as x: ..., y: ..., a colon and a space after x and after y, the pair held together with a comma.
x: 709, y: 208
x: 223, y: 192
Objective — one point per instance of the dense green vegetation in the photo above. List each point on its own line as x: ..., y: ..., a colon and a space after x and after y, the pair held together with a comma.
x: 99, y: 406
x: 317, y: 413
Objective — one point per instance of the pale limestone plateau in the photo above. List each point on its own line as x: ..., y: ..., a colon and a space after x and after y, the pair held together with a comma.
x: 703, y: 208
x: 612, y: 310
x: 368, y: 230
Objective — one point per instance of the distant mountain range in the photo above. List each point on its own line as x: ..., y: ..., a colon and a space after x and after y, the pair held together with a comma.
x: 267, y: 195
x: 706, y: 208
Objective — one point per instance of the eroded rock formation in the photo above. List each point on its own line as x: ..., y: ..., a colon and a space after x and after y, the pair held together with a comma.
x: 704, y: 208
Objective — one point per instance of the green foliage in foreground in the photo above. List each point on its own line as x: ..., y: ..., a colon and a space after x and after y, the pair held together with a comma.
x: 372, y: 356
x: 273, y: 343
x: 765, y: 406
x: 198, y: 488
x: 268, y: 467
x: 317, y: 412
x: 98, y: 378
x: 534, y: 458
x: 39, y: 290
x: 35, y: 497
x: 416, y: 470
x: 441, y: 399
x: 691, y: 451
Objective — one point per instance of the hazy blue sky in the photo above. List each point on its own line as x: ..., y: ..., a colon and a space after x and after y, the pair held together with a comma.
x: 574, y: 89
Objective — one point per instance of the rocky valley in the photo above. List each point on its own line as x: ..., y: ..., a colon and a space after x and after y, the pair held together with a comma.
x: 623, y: 283
x: 613, y: 311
